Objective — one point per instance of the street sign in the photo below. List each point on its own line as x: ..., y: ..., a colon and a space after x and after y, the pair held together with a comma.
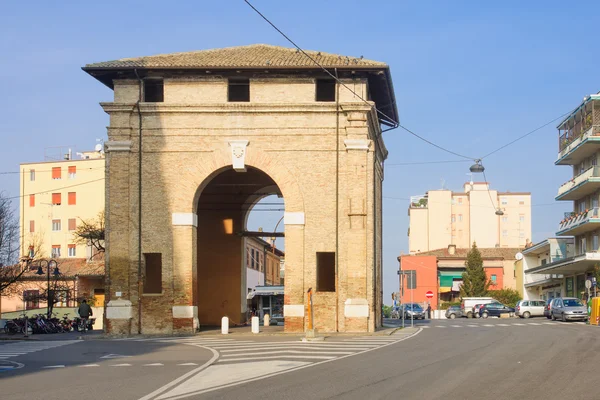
x: 429, y: 294
x: 588, y: 284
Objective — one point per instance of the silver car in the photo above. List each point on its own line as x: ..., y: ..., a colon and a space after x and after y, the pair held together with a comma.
x: 530, y: 308
x: 568, y: 309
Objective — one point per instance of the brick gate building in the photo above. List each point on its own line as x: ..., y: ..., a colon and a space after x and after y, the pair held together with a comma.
x: 219, y: 130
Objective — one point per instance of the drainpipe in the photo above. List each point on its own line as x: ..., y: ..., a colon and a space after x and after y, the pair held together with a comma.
x: 337, y: 199
x: 139, y: 272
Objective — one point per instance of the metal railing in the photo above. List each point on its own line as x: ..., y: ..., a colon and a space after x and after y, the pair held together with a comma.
x: 578, y: 219
x: 592, y: 172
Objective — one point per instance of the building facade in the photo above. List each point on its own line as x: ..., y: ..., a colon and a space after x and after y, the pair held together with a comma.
x: 579, y: 149
x: 540, y: 257
x: 443, y: 217
x: 440, y: 271
x: 212, y: 132
x: 262, y: 263
x: 55, y: 197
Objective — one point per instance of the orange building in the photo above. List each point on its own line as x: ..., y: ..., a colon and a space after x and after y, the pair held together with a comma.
x: 440, y: 271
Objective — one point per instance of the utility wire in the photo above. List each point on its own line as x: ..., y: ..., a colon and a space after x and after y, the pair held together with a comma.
x: 488, y: 190
x: 55, y: 189
x: 426, y: 162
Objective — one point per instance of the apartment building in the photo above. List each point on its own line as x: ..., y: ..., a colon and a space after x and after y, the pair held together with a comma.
x: 578, y: 148
x: 55, y: 197
x: 443, y: 217
x: 263, y: 263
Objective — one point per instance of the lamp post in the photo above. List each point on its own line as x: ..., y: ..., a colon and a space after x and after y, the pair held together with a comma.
x: 55, y: 272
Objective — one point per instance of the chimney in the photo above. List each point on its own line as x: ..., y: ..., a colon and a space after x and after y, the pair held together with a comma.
x: 451, y: 249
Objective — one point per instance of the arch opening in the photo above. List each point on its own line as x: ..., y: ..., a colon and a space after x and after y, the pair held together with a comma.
x: 223, y: 238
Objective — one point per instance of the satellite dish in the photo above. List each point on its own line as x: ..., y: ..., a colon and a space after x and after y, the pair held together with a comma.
x: 98, y: 147
x: 519, y: 256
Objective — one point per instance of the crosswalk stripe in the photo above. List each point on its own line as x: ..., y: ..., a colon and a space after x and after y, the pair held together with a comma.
x: 282, y: 352
x: 314, y: 345
x: 266, y: 348
x: 488, y: 325
x: 278, y: 357
x: 456, y: 326
x: 440, y: 326
x: 503, y: 325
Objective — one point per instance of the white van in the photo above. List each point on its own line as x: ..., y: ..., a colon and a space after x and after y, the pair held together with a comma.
x: 467, y: 304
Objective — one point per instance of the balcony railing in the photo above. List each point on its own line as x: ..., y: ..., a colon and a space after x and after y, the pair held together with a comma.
x: 592, y: 172
x: 571, y: 138
x: 578, y: 219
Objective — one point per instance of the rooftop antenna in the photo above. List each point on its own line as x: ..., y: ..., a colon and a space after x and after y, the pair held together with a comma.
x: 443, y: 183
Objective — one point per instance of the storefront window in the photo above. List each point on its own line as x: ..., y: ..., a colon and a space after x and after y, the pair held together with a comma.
x: 580, y: 286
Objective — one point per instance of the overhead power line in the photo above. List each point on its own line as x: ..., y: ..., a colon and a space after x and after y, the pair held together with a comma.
x: 56, y: 189
x: 426, y: 162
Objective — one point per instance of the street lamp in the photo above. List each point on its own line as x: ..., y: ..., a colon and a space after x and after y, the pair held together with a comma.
x: 477, y: 168
x: 55, y: 272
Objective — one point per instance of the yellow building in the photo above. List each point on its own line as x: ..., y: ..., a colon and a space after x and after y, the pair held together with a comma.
x: 55, y: 197
x: 442, y: 218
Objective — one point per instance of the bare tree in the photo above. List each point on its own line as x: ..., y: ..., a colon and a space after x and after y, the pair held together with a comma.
x: 10, y: 267
x: 91, y: 233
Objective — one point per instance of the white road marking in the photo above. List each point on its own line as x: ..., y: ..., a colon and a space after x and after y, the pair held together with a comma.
x: 114, y: 356
x: 54, y: 366
x: 517, y: 324
x: 300, y: 346
x: 186, y: 364
x: 534, y: 323
x: 282, y: 352
x: 456, y: 326
x: 278, y: 358
x: 20, y: 348
x: 316, y: 348
x: 489, y: 325
x: 473, y: 326
x: 503, y: 325
x: 154, y: 365
x: 440, y: 326
x: 89, y: 365
x: 121, y: 365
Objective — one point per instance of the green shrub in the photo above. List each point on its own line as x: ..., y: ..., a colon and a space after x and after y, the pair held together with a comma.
x: 509, y: 297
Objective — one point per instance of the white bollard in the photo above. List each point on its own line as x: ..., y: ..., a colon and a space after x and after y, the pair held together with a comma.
x: 267, y: 320
x: 255, y: 328
x: 224, y: 326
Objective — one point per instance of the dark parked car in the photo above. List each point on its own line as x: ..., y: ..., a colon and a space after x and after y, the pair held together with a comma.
x: 494, y: 310
x: 454, y: 312
x: 413, y: 311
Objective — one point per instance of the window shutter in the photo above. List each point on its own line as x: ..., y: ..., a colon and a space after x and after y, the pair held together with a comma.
x: 72, y: 198
x: 56, y: 198
x: 31, y: 226
x: 32, y: 200
x: 72, y: 224
x: 72, y: 169
x: 56, y: 173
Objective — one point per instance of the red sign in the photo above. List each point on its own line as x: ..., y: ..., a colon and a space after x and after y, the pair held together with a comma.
x: 429, y: 294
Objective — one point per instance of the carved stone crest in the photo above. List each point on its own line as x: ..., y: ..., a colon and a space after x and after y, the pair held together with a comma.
x: 238, y: 154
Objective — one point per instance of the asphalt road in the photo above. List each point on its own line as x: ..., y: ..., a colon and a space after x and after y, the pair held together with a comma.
x: 449, y: 359
x: 555, y: 361
x: 94, y: 369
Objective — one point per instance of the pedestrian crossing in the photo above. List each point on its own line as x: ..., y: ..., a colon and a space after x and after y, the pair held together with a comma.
x: 234, y: 351
x: 20, y: 348
x: 553, y: 323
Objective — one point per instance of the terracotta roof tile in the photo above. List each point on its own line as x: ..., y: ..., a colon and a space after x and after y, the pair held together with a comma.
x: 252, y: 56
x: 505, y: 253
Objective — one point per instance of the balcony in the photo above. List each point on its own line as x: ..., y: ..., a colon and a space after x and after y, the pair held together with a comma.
x: 579, y: 223
x: 579, y: 133
x: 578, y: 264
x: 582, y: 185
x: 418, y: 201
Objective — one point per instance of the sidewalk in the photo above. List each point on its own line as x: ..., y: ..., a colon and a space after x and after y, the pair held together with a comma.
x: 96, y: 334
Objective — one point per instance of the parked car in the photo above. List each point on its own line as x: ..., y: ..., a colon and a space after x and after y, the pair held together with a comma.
x: 547, y: 308
x: 413, y: 311
x: 478, y: 307
x: 494, y: 310
x: 454, y: 312
x: 468, y: 303
x: 568, y: 309
x: 530, y: 308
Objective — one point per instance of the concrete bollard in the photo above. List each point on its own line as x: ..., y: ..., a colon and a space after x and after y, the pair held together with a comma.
x: 267, y: 320
x: 224, y: 326
x: 255, y: 328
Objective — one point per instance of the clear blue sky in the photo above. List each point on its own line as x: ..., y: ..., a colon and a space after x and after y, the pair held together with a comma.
x: 469, y: 75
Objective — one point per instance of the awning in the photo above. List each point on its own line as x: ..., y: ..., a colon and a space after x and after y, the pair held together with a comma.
x: 265, y: 291
x: 568, y: 266
x: 447, y: 278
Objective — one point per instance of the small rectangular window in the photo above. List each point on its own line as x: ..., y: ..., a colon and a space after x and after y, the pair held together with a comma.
x: 459, y: 217
x: 72, y: 198
x: 56, y: 225
x: 325, y: 272
x: 56, y: 199
x: 153, y: 276
x: 504, y: 201
x: 521, y: 234
x: 154, y: 91
x: 521, y: 201
x: 55, y: 251
x: 505, y: 233
x: 504, y: 220
x: 32, y: 175
x: 72, y: 171
x: 72, y: 250
x: 32, y: 200
x: 460, y: 200
x: 494, y: 279
x: 31, y: 226
x: 56, y: 173
x: 72, y: 224
x: 238, y: 89
x: 32, y: 299
x: 325, y: 89
x: 453, y: 218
